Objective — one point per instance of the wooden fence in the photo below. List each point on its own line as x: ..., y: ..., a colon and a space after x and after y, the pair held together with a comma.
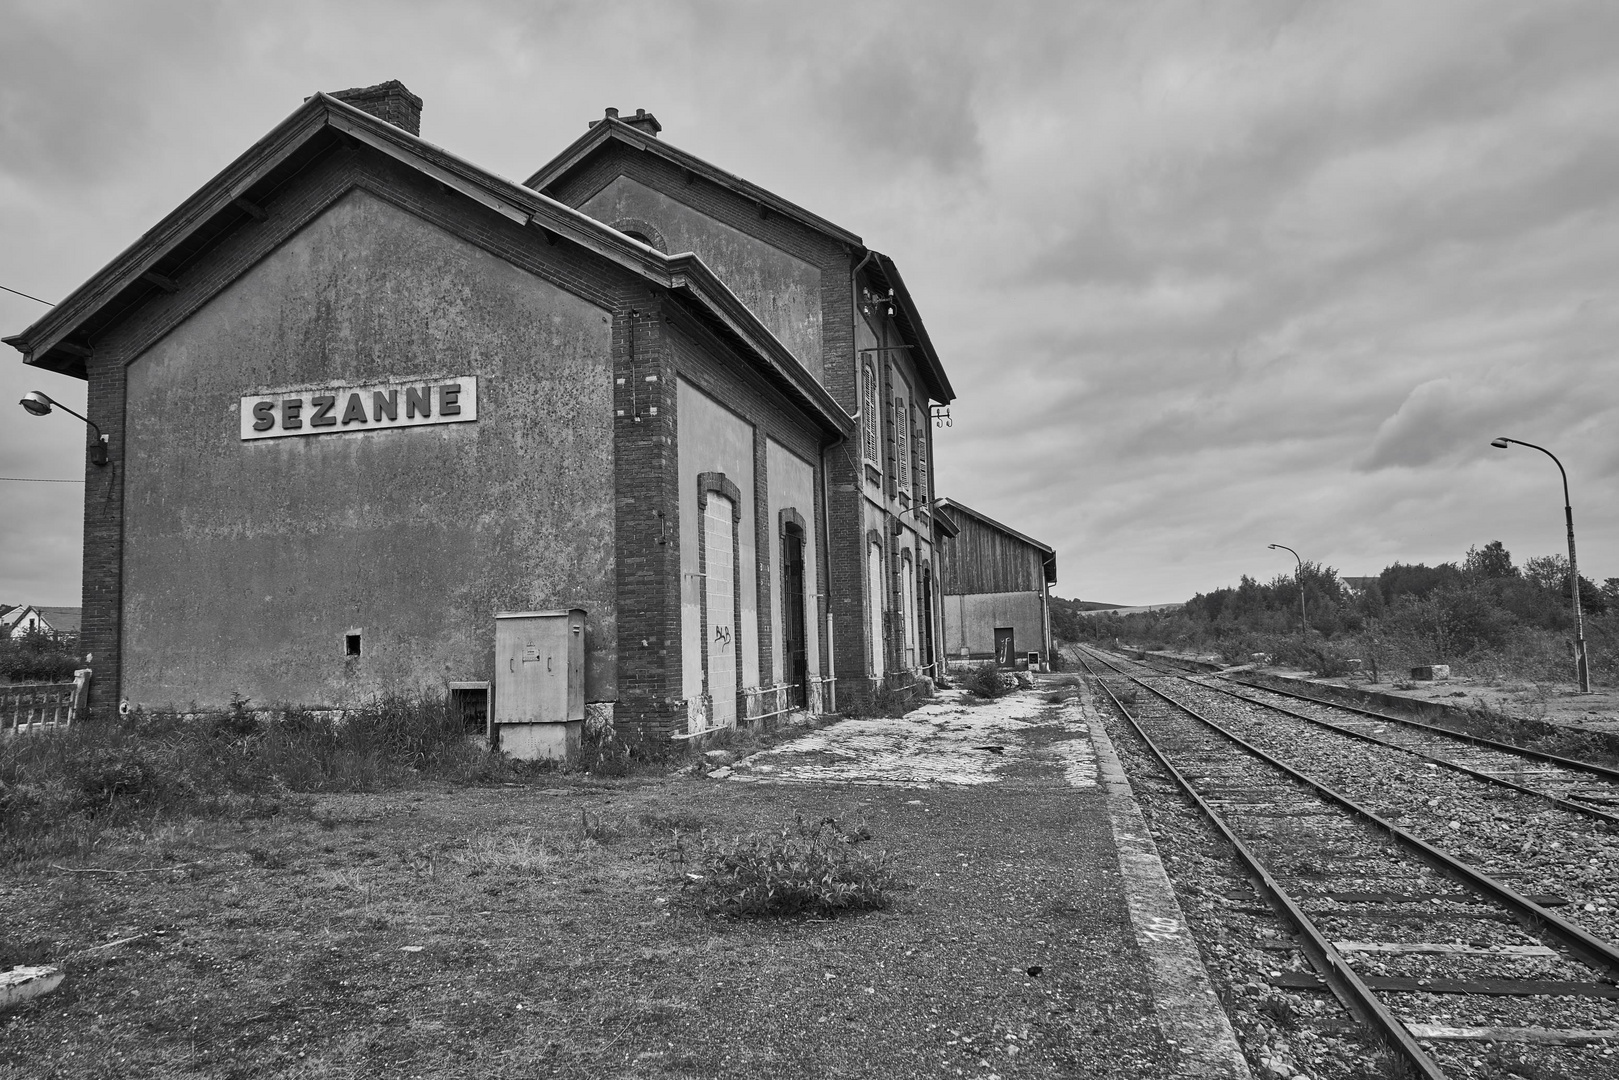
x: 26, y: 707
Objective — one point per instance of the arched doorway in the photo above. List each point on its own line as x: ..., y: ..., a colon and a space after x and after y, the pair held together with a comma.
x: 795, y: 628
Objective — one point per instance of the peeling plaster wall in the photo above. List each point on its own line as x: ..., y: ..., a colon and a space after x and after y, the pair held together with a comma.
x: 783, y: 291
x: 246, y: 562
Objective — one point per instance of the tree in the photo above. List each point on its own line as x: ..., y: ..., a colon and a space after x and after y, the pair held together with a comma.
x: 1550, y: 572
x: 1493, y: 561
x: 1417, y: 580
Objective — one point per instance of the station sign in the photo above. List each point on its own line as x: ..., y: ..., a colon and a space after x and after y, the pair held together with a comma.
x: 336, y: 409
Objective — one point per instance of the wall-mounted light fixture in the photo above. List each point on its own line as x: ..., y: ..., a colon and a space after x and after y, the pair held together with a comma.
x: 40, y: 404
x: 878, y: 300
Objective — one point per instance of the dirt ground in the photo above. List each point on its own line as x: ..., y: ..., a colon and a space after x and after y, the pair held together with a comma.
x: 542, y: 931
x: 1556, y: 704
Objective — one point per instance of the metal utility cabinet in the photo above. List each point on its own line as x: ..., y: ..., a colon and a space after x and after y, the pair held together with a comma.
x: 540, y: 683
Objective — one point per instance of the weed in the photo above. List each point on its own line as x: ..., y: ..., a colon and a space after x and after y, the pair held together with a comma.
x: 517, y: 856
x: 600, y: 828
x: 1281, y: 1011
x: 801, y: 870
x: 610, y: 752
x: 679, y: 822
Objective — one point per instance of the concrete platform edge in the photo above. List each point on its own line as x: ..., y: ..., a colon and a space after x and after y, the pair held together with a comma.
x: 1188, y: 1011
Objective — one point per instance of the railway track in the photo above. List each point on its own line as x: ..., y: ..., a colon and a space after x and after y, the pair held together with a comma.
x: 1451, y: 903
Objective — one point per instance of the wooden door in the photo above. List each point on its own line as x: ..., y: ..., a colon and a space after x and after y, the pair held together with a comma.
x: 1004, y: 649
x: 794, y: 631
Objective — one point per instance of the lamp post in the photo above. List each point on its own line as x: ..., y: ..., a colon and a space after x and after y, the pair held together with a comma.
x: 1304, y: 621
x: 1582, y: 666
x: 39, y: 404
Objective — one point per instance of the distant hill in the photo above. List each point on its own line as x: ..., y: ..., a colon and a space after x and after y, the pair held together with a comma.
x: 1066, y: 614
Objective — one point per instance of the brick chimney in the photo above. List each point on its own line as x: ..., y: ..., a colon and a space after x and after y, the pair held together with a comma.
x: 641, y: 121
x: 388, y: 101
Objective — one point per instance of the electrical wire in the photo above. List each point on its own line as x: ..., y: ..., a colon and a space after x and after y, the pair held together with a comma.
x: 27, y: 296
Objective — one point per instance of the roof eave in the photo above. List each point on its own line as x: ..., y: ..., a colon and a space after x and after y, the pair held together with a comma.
x: 40, y: 342
x: 1007, y: 529
x: 518, y: 203
x: 607, y: 130
x: 930, y: 366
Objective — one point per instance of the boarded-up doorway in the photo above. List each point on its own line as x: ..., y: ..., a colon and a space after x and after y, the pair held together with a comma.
x: 719, y: 600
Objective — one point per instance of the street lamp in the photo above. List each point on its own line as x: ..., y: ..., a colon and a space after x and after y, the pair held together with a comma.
x: 39, y: 404
x: 1582, y: 665
x: 1304, y: 622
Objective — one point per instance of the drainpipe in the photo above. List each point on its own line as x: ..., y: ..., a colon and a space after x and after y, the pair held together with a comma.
x: 826, y: 485
x: 831, y: 665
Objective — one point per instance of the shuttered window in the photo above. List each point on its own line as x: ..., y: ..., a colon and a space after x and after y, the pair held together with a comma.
x: 873, y: 436
x: 919, y: 444
x: 902, y: 452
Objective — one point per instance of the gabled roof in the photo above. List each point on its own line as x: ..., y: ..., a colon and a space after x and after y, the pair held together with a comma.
x: 612, y: 129
x: 1048, y: 553
x: 64, y: 620
x: 605, y: 132
x: 13, y: 616
x: 62, y: 339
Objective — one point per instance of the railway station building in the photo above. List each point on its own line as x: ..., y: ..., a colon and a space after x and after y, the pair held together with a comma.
x: 996, y: 586
x: 377, y: 419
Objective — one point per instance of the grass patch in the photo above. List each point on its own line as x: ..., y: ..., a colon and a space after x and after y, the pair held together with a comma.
x: 802, y: 869
x: 61, y: 791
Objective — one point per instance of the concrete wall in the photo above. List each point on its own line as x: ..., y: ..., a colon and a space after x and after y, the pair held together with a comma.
x: 970, y: 622
x: 790, y: 483
x: 245, y: 563
x: 711, y: 438
x: 783, y: 291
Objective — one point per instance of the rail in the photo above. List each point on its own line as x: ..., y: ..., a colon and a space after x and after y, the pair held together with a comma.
x: 1346, y: 985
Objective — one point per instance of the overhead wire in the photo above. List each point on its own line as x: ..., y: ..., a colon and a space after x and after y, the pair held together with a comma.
x: 26, y: 296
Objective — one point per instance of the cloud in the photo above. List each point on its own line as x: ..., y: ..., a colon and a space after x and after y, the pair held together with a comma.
x: 1205, y: 277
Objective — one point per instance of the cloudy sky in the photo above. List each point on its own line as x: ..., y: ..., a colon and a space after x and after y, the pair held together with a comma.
x: 1205, y: 276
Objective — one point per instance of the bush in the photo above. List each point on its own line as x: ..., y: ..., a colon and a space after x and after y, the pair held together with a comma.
x: 802, y: 870
x: 985, y: 681
x: 36, y: 657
